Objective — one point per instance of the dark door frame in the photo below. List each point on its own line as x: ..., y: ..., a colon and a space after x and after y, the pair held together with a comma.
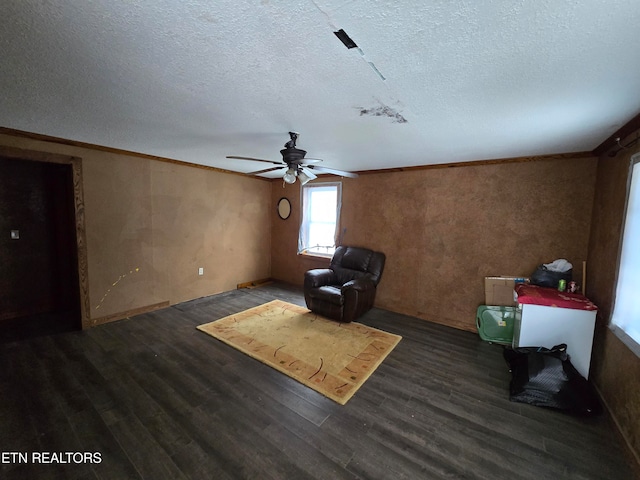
x: 78, y: 202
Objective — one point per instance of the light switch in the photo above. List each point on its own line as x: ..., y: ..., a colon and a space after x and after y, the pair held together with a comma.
x: 15, y: 234
x: 201, y: 271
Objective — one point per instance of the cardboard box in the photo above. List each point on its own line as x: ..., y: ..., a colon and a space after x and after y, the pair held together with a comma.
x: 499, y: 290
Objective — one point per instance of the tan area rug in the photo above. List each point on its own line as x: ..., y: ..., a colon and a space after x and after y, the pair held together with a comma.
x: 333, y: 358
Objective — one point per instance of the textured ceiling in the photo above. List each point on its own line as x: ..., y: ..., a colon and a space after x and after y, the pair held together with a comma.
x: 431, y: 82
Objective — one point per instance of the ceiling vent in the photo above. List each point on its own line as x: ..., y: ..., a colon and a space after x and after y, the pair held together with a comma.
x: 346, y: 39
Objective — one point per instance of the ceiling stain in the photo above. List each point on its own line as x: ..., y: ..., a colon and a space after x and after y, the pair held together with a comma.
x: 383, y: 111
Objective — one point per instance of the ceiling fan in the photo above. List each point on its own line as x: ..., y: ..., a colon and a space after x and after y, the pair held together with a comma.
x: 293, y: 159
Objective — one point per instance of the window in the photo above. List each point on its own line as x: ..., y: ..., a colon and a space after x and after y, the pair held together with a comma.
x: 320, y: 217
x: 625, y: 321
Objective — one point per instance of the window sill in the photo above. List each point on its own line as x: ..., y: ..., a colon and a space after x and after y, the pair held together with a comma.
x: 317, y: 256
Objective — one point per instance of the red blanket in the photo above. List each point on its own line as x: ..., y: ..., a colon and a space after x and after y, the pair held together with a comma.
x: 550, y: 297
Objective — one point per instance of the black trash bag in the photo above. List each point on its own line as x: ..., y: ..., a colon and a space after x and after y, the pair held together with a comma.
x: 546, y: 378
x: 548, y: 278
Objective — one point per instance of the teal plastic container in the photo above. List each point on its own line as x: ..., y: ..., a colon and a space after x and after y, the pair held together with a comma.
x: 495, y: 324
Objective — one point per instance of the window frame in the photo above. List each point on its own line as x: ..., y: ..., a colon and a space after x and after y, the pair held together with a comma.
x: 303, y: 208
x: 618, y: 330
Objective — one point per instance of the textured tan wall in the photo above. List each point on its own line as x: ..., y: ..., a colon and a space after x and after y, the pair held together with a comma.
x: 206, y: 219
x: 151, y: 224
x: 443, y: 230
x: 616, y: 370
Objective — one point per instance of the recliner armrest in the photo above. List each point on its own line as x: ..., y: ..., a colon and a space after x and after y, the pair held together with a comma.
x: 362, y: 284
x: 359, y: 295
x: 319, y: 277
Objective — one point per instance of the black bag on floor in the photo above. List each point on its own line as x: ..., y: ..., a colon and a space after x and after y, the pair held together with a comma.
x: 546, y: 378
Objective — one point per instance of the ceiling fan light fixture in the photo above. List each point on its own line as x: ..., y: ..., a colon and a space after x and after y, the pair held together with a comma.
x: 304, y: 178
x: 297, y: 165
x: 290, y: 176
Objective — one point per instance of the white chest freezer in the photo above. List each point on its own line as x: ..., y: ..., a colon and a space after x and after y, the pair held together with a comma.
x: 546, y: 317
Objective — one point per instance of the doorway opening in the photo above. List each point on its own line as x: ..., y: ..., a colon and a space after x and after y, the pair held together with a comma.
x: 43, y: 279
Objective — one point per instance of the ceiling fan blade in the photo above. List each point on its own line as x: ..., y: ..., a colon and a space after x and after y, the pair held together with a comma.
x: 254, y: 159
x: 311, y: 160
x: 266, y: 170
x: 334, y: 171
x: 308, y: 173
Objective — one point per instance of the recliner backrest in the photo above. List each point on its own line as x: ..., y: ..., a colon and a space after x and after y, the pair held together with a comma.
x: 350, y: 263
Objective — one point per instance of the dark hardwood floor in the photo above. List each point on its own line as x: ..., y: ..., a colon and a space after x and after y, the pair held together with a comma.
x: 157, y: 399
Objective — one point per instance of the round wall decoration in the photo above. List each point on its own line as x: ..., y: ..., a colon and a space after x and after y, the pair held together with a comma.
x: 284, y: 208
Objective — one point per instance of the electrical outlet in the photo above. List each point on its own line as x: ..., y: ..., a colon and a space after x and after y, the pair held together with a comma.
x: 201, y: 271
x: 15, y: 234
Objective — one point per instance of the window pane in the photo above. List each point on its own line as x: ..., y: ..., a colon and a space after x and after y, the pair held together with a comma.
x: 321, y: 205
x: 626, y: 311
x: 321, y: 234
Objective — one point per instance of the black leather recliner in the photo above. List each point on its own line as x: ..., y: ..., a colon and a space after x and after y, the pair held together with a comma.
x: 347, y: 289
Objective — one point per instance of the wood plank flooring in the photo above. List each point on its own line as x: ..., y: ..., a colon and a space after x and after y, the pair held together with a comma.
x: 158, y: 399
